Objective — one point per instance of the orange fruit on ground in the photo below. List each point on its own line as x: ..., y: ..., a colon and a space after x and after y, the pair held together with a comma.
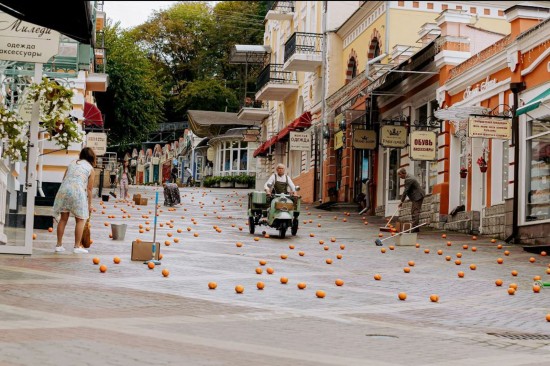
x: 474, y: 249
x: 151, y: 265
x: 320, y: 294
x: 110, y: 236
x: 329, y: 261
x: 514, y: 286
x: 532, y: 260
x: 548, y: 317
x: 448, y: 258
x: 265, y: 236
x: 444, y: 236
x: 167, y: 243
x: 511, y: 291
x: 377, y: 277
x: 406, y: 269
x: 460, y: 274
x: 95, y: 260
x: 103, y: 268
x: 116, y: 260
x: 391, y: 247
x: 33, y: 236
x: 474, y: 237
x: 339, y: 282
x: 284, y: 280
x: 506, y: 252
x: 312, y: 235
x: 212, y: 285
x: 536, y: 289
x: 439, y: 252
x: 449, y: 243
x: 417, y: 245
x: 434, y: 298
x: 459, y: 255
x: 326, y: 247
x: 499, y: 246
x: 270, y: 270
x: 402, y: 296
x: 50, y: 229
x: 458, y: 262
x: 543, y: 253
x: 427, y: 251
x: 548, y: 271
x: 333, y: 239
x: 291, y: 247
x: 321, y: 242
x: 498, y: 282
x: 284, y: 256
x: 256, y: 238
x: 301, y: 285
x: 196, y: 235
x: 165, y: 272
x: 301, y: 254
x: 493, y: 240
x: 465, y: 246
x: 260, y: 285
x: 383, y: 250
x: 339, y: 256
x: 263, y: 262
x: 536, y: 278
x: 342, y: 246
x: 411, y: 263
x: 514, y: 273
x: 380, y: 235
x: 239, y: 244
x: 473, y: 267
x: 259, y: 270
x: 239, y: 289
x: 160, y: 255
x: 500, y: 260
x: 106, y: 223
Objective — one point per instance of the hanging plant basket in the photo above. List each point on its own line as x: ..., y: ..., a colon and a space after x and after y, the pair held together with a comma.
x: 483, y: 169
x: 463, y: 174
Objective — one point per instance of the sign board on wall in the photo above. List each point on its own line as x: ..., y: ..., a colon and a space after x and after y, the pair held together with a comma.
x: 26, y: 42
x: 364, y: 139
x: 336, y: 125
x: 97, y: 141
x: 490, y: 127
x: 338, y: 140
x: 393, y: 136
x: 423, y: 145
x: 210, y: 153
x: 300, y: 141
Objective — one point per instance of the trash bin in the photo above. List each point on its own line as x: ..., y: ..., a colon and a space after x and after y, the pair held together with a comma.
x: 118, y: 231
x: 105, y: 197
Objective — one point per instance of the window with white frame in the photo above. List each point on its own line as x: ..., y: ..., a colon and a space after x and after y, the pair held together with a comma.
x: 295, y: 163
x: 234, y: 157
x: 537, y: 177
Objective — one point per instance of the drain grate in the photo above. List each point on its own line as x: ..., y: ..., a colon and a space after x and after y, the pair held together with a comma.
x: 522, y: 337
x: 381, y: 336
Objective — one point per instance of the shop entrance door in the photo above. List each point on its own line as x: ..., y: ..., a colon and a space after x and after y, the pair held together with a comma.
x: 392, y: 161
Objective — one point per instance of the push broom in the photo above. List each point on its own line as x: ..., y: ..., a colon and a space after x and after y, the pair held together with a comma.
x: 378, y: 242
x: 154, y: 247
x: 542, y: 284
x: 387, y: 228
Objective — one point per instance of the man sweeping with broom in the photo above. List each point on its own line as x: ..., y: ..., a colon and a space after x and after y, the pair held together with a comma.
x: 415, y: 194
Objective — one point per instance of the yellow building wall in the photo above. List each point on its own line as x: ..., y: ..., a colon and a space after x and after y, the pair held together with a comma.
x: 361, y: 46
x: 495, y: 25
x: 405, y: 25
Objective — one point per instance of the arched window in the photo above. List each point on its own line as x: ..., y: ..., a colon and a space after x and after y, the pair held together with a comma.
x: 351, y: 72
x: 374, y: 48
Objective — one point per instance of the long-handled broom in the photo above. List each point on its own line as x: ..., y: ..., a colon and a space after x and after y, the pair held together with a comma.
x: 154, y: 247
x: 387, y: 228
x: 378, y: 242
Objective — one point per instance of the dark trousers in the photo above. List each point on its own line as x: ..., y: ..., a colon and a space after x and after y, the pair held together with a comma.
x: 415, y: 212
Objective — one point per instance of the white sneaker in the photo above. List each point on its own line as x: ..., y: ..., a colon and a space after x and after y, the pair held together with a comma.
x: 80, y: 251
x: 59, y: 249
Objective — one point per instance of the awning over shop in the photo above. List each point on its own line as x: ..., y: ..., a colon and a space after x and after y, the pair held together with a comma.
x: 299, y: 124
x: 534, y: 103
x: 92, y: 115
x: 264, y: 148
x: 211, y: 124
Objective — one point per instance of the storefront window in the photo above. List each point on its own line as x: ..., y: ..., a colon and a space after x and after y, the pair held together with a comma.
x: 538, y: 171
x: 393, y: 179
x: 234, y: 157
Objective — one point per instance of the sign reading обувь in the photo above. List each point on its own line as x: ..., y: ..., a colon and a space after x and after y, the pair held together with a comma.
x: 26, y: 42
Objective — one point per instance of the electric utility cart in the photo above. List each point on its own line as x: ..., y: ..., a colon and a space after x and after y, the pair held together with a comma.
x: 279, y: 211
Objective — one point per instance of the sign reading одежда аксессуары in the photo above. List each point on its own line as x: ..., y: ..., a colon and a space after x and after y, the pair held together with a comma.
x: 26, y: 42
x: 300, y: 141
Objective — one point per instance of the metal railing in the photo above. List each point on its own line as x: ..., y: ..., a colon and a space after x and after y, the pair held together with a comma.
x: 274, y: 73
x: 299, y: 42
x: 281, y: 6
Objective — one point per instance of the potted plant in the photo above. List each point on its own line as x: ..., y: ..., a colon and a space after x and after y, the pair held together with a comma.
x: 241, y: 181
x: 463, y: 172
x: 13, y: 129
x: 251, y: 181
x: 227, y: 181
x: 482, y: 163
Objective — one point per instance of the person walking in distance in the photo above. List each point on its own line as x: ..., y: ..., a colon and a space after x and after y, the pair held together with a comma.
x: 124, y: 178
x: 415, y: 194
x: 75, y: 197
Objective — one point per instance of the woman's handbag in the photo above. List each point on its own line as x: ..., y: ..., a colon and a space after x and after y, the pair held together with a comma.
x: 86, y: 236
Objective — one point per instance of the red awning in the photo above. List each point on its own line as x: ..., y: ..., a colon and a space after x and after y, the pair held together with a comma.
x: 264, y: 148
x: 92, y: 115
x: 300, y: 123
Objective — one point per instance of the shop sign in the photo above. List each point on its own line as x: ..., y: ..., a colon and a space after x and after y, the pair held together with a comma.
x: 300, y: 141
x: 338, y: 140
x: 210, y: 153
x: 336, y: 125
x: 485, y: 85
x: 97, y: 141
x: 423, y: 145
x: 26, y: 42
x: 490, y: 127
x: 393, y: 136
x: 364, y: 139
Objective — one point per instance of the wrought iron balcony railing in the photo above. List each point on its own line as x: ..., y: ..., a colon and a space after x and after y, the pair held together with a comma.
x: 273, y: 73
x: 281, y: 6
x: 299, y: 42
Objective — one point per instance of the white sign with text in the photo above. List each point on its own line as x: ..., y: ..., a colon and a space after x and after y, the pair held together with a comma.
x: 300, y: 141
x: 97, y: 141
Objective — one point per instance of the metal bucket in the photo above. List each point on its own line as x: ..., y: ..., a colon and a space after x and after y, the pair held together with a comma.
x: 118, y: 231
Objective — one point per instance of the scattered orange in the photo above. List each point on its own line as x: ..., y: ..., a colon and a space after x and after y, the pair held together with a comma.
x: 500, y: 260
x: 511, y: 291
x: 548, y: 317
x: 514, y: 273
x: 498, y: 282
x: 536, y: 289
x: 474, y: 237
x: 391, y: 247
x: 514, y: 286
x: 50, y: 229
x: 493, y: 240
x: 448, y: 258
x: 256, y: 238
x: 212, y: 285
x: 434, y: 298
x: 417, y: 245
x: 532, y: 259
x: 95, y: 260
x: 449, y: 243
x: 333, y: 239
x: 465, y: 246
x: 284, y: 280
x: 270, y: 270
x: 326, y: 247
x: 291, y: 246
x: 543, y: 253
x: 411, y: 263
x: 377, y: 277
x: 259, y: 270
x: 439, y: 252
x: 151, y: 265
x: 339, y: 256
x: 506, y: 252
x: 402, y: 296
x: 339, y: 282
x: 284, y: 256
x: 301, y: 254
x: 406, y: 269
x: 103, y: 268
x: 116, y: 260
x: 301, y: 285
x: 239, y: 244
x: 474, y: 249
x: 458, y: 262
x: 383, y: 250
x: 473, y: 267
x: 33, y: 236
x: 460, y: 274
x: 165, y: 272
x: 260, y: 285
x: 444, y: 236
x: 321, y: 242
x: 499, y: 246
x: 239, y: 289
x: 342, y: 246
x: 459, y: 255
x: 263, y: 262
x: 320, y: 294
x: 329, y: 261
x: 427, y: 251
x: 312, y: 235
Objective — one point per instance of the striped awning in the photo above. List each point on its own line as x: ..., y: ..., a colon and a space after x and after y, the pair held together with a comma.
x: 534, y: 103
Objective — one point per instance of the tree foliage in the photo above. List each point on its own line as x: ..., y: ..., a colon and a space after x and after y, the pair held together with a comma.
x: 134, y: 101
x: 207, y: 95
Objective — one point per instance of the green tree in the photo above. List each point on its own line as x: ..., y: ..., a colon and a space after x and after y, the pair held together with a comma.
x: 134, y: 101
x: 208, y: 95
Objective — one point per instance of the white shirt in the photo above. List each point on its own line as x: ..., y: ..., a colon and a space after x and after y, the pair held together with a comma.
x: 275, y: 177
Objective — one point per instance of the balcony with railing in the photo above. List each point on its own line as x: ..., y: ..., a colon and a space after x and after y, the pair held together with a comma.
x: 275, y: 84
x: 253, y: 110
x: 280, y: 10
x: 303, y: 52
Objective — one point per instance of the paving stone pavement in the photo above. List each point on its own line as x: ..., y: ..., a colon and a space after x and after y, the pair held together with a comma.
x: 58, y: 309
